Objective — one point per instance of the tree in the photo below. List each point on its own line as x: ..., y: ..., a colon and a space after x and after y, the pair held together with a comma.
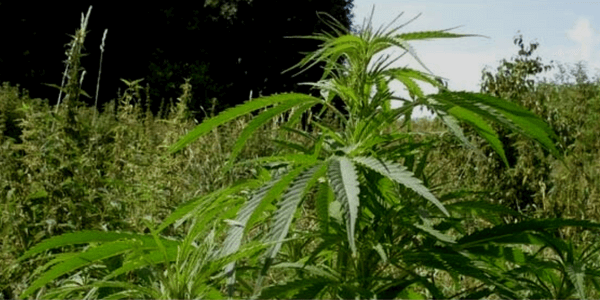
x: 227, y: 47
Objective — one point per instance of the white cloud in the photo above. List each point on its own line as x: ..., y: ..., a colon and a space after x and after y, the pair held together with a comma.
x: 587, y: 37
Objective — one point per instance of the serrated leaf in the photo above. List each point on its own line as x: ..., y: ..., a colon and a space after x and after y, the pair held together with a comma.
x: 235, y: 112
x: 482, y: 127
x: 504, y: 113
x: 287, y: 207
x: 291, y: 145
x: 297, y: 115
x: 134, y: 289
x: 401, y: 43
x: 379, y: 249
x: 423, y: 35
x: 484, y: 207
x: 576, y: 273
x: 505, y: 232
x: 319, y: 271
x: 344, y: 182
x: 82, y: 259
x: 261, y: 120
x: 217, y: 198
x: 88, y: 236
x: 435, y: 233
x: 249, y: 213
x: 139, y: 261
x: 290, y: 289
x: 452, y: 124
x: 323, y: 198
x: 235, y: 234
x: 407, y: 73
x: 401, y: 175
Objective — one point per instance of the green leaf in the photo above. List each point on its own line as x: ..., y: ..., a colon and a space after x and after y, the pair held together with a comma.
x: 157, y: 240
x: 482, y: 127
x: 295, y: 146
x: 250, y: 212
x: 405, y: 74
x: 424, y: 35
x: 186, y: 210
x: 321, y: 271
x: 288, y: 159
x: 504, y: 233
x: 85, y: 258
x: 235, y: 234
x: 379, y: 249
x: 401, y: 175
x: 492, y: 213
x: 287, y: 207
x: 261, y: 120
x: 235, y: 112
x: 344, y: 182
x: 142, y: 260
x: 396, y: 288
x: 452, y: 124
x: 274, y: 193
x: 133, y: 290
x: 504, y: 113
x: 290, y: 289
x: 435, y: 233
x: 297, y: 114
x: 87, y: 236
x: 413, y: 88
x: 285, y: 213
x: 39, y: 194
x: 323, y: 198
x: 402, y: 43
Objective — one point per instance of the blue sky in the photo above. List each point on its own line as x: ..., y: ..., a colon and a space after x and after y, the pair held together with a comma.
x: 567, y: 32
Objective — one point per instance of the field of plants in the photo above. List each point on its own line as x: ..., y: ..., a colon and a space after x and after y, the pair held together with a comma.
x: 291, y: 196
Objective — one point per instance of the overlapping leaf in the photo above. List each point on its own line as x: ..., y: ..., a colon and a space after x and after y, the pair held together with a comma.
x: 506, y: 233
x: 500, y: 111
x: 82, y: 259
x: 235, y: 112
x: 255, y: 206
x: 401, y: 175
x: 287, y: 207
x: 262, y: 119
x: 344, y: 182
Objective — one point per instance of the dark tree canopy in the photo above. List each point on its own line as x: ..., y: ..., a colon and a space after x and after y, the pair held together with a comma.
x: 227, y: 47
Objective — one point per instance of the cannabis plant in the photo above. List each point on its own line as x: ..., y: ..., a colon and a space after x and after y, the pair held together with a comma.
x: 345, y: 162
x: 382, y: 231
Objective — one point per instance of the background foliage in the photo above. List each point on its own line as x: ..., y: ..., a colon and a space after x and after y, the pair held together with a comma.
x: 212, y: 42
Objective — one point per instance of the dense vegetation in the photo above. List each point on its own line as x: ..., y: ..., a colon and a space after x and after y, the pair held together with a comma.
x: 488, y: 200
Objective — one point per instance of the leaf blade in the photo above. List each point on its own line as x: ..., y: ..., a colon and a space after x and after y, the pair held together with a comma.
x: 401, y: 175
x: 234, y: 112
x: 344, y: 182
